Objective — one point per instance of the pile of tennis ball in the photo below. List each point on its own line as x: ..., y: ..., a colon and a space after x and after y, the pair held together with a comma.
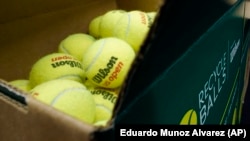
x: 84, y: 76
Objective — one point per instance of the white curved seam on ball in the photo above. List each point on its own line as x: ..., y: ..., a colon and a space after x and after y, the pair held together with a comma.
x: 64, y: 92
x: 97, y: 55
x: 127, y: 29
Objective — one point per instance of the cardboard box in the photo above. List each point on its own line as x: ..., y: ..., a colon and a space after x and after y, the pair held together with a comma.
x: 182, y: 54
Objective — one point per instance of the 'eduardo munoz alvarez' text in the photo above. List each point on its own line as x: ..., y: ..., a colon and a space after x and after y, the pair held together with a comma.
x: 167, y: 132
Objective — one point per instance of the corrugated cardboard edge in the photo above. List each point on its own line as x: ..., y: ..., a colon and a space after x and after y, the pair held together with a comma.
x: 33, y: 120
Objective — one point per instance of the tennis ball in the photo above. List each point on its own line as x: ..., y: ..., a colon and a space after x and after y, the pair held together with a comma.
x: 105, y: 100
x: 22, y: 84
x: 76, y: 44
x: 56, y: 66
x: 68, y: 96
x: 107, y: 62
x: 89, y: 84
x: 93, y: 28
x: 101, y: 123
x: 133, y: 28
x: 108, y: 22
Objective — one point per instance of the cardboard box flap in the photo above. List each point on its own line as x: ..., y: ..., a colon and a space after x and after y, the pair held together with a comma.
x: 35, y: 121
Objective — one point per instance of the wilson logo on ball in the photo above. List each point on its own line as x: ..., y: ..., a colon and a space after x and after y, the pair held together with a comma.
x: 103, y: 73
x: 70, y: 63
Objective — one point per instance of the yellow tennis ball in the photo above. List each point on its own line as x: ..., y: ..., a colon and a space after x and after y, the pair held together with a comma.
x: 93, y: 28
x: 133, y: 28
x: 22, y: 84
x: 107, y: 62
x: 68, y: 96
x: 76, y: 44
x: 108, y: 22
x: 101, y: 123
x: 89, y: 84
x: 105, y: 100
x: 56, y: 66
